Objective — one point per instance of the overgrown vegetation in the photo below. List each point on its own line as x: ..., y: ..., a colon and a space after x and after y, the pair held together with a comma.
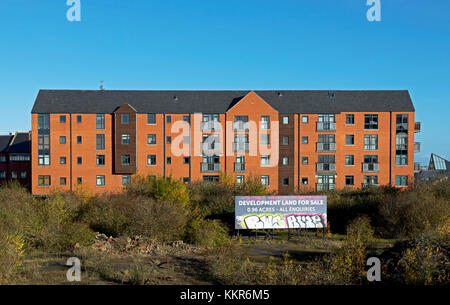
x: 165, y: 209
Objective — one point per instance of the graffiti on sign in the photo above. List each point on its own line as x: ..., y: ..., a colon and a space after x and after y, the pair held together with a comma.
x: 280, y: 212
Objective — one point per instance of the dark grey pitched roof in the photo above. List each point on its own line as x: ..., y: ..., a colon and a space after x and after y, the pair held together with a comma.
x: 284, y: 101
x: 20, y: 144
x: 4, y: 143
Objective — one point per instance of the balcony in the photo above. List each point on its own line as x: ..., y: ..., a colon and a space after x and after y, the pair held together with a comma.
x: 241, y: 147
x: 369, y: 185
x: 417, y: 127
x: 326, y: 126
x: 211, y: 148
x: 210, y: 167
x: 325, y: 186
x: 326, y: 147
x: 326, y: 167
x: 417, y: 147
x: 208, y: 126
x: 240, y: 126
x: 239, y: 167
x: 370, y: 167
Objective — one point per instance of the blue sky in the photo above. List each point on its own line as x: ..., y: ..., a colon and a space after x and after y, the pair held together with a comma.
x: 232, y: 44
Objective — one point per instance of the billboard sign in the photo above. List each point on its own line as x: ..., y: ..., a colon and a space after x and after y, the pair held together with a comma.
x: 280, y: 212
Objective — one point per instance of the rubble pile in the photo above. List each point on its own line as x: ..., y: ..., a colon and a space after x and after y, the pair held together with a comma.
x: 140, y: 245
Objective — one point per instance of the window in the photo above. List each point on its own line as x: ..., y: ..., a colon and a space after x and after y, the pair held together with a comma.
x: 100, y: 121
x: 401, y: 180
x: 125, y: 139
x: 100, y: 160
x: 79, y: 160
x: 265, y: 122
x: 78, y: 118
x: 62, y: 180
x: 305, y: 119
x: 186, y: 119
x: 285, y: 161
x: 169, y: 160
x: 304, y: 181
x: 23, y: 174
x: 401, y: 140
x: 62, y: 160
x: 100, y: 141
x: 285, y: 181
x: 349, y: 160
x: 211, y: 178
x: 265, y: 160
x: 126, y: 180
x: 350, y: 119
x: 19, y: 157
x: 44, y: 181
x: 265, y: 180
x: 208, y: 117
x: 169, y: 119
x: 370, y: 180
x: 186, y: 160
x: 100, y: 180
x: 349, y: 180
x: 349, y: 139
x: 79, y: 180
x: 2, y: 174
x: 62, y: 119
x: 79, y: 139
x: 186, y: 180
x: 304, y: 140
x: 2, y: 158
x: 168, y: 139
x: 265, y: 139
x: 285, y: 120
x: 370, y: 159
x: 304, y: 160
x: 371, y: 121
x: 151, y: 160
x: 151, y: 139
x: 125, y: 159
x: 326, y: 118
x: 401, y: 159
x: 285, y: 140
x: 14, y: 174
x: 125, y: 118
x: 370, y: 142
x: 62, y: 140
x: 326, y: 159
x: 151, y: 118
x: 240, y: 179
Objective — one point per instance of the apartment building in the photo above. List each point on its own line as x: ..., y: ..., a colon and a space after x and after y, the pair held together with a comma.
x: 15, y: 158
x: 291, y: 140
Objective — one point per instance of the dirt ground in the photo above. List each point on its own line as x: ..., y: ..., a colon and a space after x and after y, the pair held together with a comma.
x: 172, y: 267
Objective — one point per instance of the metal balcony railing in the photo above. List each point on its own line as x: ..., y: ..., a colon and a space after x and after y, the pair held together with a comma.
x: 326, y: 167
x: 209, y: 125
x: 417, y: 147
x: 239, y: 167
x: 326, y: 126
x: 370, y: 167
x: 322, y: 147
x: 210, y: 167
x: 369, y: 184
x: 325, y: 186
x: 211, y: 148
x: 417, y: 127
x: 241, y: 126
x: 241, y: 147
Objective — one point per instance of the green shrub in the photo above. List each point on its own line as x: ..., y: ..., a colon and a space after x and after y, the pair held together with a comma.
x: 161, y: 188
x: 124, y: 215
x: 207, y: 233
